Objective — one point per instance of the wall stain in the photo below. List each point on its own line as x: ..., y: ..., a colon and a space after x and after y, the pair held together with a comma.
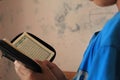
x: 78, y: 6
x: 75, y: 29
x: 67, y: 8
x: 61, y: 19
x: 61, y: 28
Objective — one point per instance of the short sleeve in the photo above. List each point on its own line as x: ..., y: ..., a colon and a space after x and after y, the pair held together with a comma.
x: 106, y: 64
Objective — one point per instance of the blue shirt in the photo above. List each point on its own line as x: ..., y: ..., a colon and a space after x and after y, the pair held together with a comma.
x: 101, y: 60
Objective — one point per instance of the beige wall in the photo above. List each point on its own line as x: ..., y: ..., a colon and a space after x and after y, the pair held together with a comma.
x: 67, y: 25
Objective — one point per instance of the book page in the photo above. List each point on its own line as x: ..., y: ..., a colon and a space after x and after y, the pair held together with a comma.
x: 28, y: 46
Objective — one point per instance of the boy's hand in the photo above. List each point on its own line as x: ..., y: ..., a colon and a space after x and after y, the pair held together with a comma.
x: 49, y: 72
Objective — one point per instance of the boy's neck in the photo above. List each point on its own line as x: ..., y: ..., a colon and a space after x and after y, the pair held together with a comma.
x: 118, y: 4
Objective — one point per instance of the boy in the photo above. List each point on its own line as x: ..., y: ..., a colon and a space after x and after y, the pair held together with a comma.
x: 101, y: 58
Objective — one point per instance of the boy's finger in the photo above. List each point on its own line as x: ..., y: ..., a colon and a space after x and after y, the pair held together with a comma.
x: 21, y: 69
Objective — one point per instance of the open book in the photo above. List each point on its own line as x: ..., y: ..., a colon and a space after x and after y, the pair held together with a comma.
x: 26, y: 47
